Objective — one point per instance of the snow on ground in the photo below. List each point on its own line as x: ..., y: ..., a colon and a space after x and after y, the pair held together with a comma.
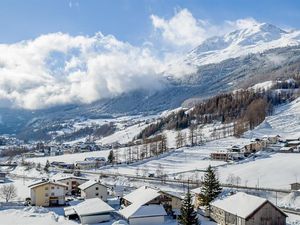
x: 276, y: 170
x: 291, y: 200
x: 125, y: 135
x: 32, y: 216
x: 264, y: 85
x: 70, y: 158
x: 54, y: 216
x: 285, y: 122
x: 183, y: 159
x: 21, y: 186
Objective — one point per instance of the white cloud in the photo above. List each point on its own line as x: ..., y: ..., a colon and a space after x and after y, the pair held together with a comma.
x: 184, y: 30
x: 58, y: 68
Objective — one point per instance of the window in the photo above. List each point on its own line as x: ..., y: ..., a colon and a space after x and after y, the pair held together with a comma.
x: 67, y: 183
x: 52, y: 187
x: 97, y: 188
x: 66, y: 188
x: 46, y: 195
x: 46, y: 188
x: 101, y: 197
x: 52, y: 194
x: 97, y: 194
x: 57, y: 187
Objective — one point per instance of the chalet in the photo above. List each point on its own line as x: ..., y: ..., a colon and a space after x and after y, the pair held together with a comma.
x: 227, y: 155
x: 220, y: 155
x: 254, y: 146
x: 171, y: 202
x: 72, y: 183
x: 286, y: 150
x: 93, y: 189
x: 47, y: 193
x: 138, y: 214
x: 150, y: 196
x: 90, y: 211
x: 292, y: 143
x: 245, y: 209
x: 295, y: 186
x: 144, y: 194
x: 271, y: 139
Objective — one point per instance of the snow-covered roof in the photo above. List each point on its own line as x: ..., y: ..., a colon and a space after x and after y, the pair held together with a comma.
x: 196, y: 190
x: 136, y: 210
x: 171, y: 193
x: 89, y: 183
x: 92, y: 206
x: 72, y: 177
x: 43, y: 182
x: 142, y: 195
x: 69, y: 211
x: 240, y: 204
x: 285, y: 148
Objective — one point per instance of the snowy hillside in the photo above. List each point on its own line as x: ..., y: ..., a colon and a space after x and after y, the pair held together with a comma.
x: 285, y: 122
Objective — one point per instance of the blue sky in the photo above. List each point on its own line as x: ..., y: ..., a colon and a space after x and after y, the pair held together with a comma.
x: 129, y: 20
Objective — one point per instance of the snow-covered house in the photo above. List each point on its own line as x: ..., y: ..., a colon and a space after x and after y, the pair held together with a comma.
x: 245, y: 209
x: 47, y: 193
x: 144, y: 194
x: 72, y: 183
x: 292, y: 143
x: 295, y: 186
x: 93, y: 189
x: 286, y: 149
x: 149, y: 196
x: 138, y: 214
x: 90, y: 211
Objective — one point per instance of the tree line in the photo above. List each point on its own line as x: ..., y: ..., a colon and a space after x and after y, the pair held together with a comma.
x: 246, y: 108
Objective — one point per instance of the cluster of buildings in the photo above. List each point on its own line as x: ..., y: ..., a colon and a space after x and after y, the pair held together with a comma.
x: 56, y: 149
x: 147, y: 205
x: 87, y: 163
x: 274, y: 142
x: 144, y: 205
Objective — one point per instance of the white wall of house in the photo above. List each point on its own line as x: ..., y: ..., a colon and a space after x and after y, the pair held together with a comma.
x: 157, y: 220
x: 95, y: 191
x: 95, y: 219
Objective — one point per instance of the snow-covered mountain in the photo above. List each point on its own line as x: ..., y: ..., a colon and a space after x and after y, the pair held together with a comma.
x: 261, y: 52
x: 256, y: 38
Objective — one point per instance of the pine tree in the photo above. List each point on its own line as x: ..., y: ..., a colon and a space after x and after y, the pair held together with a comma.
x: 210, y: 187
x: 111, y: 156
x: 46, y: 168
x: 188, y: 214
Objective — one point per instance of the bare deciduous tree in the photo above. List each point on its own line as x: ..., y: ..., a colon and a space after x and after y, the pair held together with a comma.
x: 8, y: 192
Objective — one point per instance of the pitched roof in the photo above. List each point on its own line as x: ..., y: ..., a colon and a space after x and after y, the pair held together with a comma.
x: 90, y: 206
x: 142, y: 195
x: 240, y: 204
x: 43, y: 182
x: 72, y: 177
x: 136, y: 210
x: 89, y: 184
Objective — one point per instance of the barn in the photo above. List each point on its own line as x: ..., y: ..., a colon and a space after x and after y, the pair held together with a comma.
x: 245, y: 209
